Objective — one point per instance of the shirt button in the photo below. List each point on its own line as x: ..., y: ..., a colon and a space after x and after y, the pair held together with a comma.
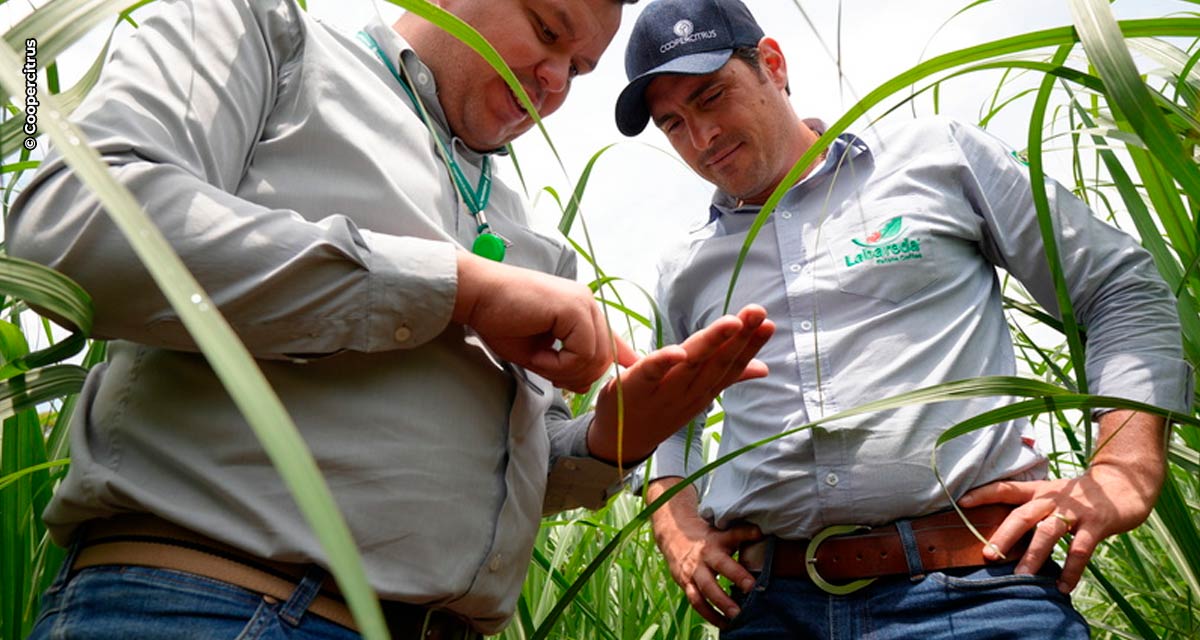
x: 806, y: 325
x: 403, y: 334
x: 831, y: 479
x: 494, y: 565
x: 794, y: 268
x: 787, y: 215
x: 422, y: 78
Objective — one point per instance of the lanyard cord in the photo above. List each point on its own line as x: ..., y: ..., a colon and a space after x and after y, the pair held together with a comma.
x: 487, y: 244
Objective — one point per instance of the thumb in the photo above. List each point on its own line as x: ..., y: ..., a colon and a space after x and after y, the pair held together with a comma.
x: 736, y: 535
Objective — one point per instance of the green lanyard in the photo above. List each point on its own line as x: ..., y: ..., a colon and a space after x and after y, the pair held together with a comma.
x: 487, y: 244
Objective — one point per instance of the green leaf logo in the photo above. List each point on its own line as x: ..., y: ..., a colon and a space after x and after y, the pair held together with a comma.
x: 891, y: 228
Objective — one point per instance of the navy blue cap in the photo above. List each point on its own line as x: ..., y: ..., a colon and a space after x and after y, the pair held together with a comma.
x: 691, y: 37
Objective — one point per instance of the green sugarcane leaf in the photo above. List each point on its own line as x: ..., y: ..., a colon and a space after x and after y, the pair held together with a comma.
x: 28, y: 390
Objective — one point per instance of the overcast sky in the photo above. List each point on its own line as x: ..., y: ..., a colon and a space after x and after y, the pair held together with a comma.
x: 640, y: 197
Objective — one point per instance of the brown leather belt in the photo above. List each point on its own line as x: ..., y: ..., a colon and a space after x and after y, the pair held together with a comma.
x: 148, y: 541
x: 942, y: 539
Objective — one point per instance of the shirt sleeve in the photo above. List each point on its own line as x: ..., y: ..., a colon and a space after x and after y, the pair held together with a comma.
x: 1134, y: 348
x: 176, y: 116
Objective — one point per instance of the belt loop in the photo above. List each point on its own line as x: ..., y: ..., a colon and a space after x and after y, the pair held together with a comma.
x: 302, y: 597
x: 912, y: 552
x: 764, y: 578
x: 64, y: 572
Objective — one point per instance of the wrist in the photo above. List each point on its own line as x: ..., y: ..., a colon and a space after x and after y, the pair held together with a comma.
x: 466, y: 296
x: 603, y: 445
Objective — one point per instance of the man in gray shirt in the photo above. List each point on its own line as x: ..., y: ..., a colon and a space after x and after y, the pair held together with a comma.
x: 322, y: 187
x: 879, y: 266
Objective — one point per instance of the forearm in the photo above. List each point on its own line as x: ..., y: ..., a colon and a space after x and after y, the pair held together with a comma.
x: 286, y: 284
x: 681, y: 511
x: 626, y: 446
x: 1133, y: 445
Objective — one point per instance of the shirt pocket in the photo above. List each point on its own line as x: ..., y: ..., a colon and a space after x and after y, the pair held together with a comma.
x: 888, y: 252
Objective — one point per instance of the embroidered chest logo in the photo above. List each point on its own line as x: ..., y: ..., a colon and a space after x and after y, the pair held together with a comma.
x: 886, y: 245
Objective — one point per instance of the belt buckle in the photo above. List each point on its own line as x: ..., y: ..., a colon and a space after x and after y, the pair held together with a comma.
x: 810, y: 560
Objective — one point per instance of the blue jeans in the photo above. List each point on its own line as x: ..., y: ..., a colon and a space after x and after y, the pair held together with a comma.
x: 962, y: 604
x: 120, y: 602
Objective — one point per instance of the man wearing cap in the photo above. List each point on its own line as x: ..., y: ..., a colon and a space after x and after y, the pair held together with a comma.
x: 332, y: 191
x: 878, y: 265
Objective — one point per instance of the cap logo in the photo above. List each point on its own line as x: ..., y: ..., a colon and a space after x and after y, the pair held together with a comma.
x: 687, y: 34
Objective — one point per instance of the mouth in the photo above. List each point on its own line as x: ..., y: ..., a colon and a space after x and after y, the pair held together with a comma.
x: 721, y: 155
x: 518, y: 110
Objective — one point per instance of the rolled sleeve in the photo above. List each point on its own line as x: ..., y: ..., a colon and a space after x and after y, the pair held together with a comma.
x: 412, y: 286
x: 1134, y: 347
x: 576, y: 479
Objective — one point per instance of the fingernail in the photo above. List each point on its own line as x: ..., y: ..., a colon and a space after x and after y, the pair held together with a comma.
x: 733, y: 612
x: 747, y: 585
x: 991, y: 551
x: 1064, y: 587
x: 1022, y: 570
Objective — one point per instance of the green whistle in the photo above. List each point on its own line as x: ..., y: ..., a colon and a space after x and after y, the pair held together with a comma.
x: 490, y: 246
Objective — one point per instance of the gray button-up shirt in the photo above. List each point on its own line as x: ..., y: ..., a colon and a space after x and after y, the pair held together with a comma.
x: 290, y: 172
x: 880, y: 272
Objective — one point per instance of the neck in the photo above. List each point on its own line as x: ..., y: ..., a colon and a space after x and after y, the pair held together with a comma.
x: 800, y: 143
x: 412, y: 28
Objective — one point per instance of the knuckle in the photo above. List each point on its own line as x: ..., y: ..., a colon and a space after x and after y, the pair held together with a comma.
x: 1079, y: 555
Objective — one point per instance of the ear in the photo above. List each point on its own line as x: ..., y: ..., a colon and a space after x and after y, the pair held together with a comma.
x: 773, y: 62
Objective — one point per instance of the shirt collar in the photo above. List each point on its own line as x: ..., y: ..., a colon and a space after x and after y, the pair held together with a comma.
x: 395, y: 47
x: 842, y: 149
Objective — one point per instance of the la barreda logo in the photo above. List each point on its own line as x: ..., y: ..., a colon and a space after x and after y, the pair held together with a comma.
x: 886, y: 245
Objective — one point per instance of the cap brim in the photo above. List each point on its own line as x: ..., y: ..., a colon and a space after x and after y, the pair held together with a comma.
x: 632, y: 112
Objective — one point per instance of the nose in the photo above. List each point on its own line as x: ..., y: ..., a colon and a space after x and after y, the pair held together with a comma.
x: 554, y: 75
x: 702, y: 131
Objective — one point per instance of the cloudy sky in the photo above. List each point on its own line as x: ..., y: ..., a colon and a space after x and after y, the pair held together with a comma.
x: 640, y: 197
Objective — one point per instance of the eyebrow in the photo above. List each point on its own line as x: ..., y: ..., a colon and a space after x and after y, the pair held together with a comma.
x: 565, y: 19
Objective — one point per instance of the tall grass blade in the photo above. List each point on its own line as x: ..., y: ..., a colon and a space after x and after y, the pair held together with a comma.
x: 26, y: 391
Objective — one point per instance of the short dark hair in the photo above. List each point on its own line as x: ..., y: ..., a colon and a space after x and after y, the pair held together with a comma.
x: 749, y: 55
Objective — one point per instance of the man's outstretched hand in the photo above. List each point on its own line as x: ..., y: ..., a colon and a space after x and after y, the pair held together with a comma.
x: 662, y: 391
